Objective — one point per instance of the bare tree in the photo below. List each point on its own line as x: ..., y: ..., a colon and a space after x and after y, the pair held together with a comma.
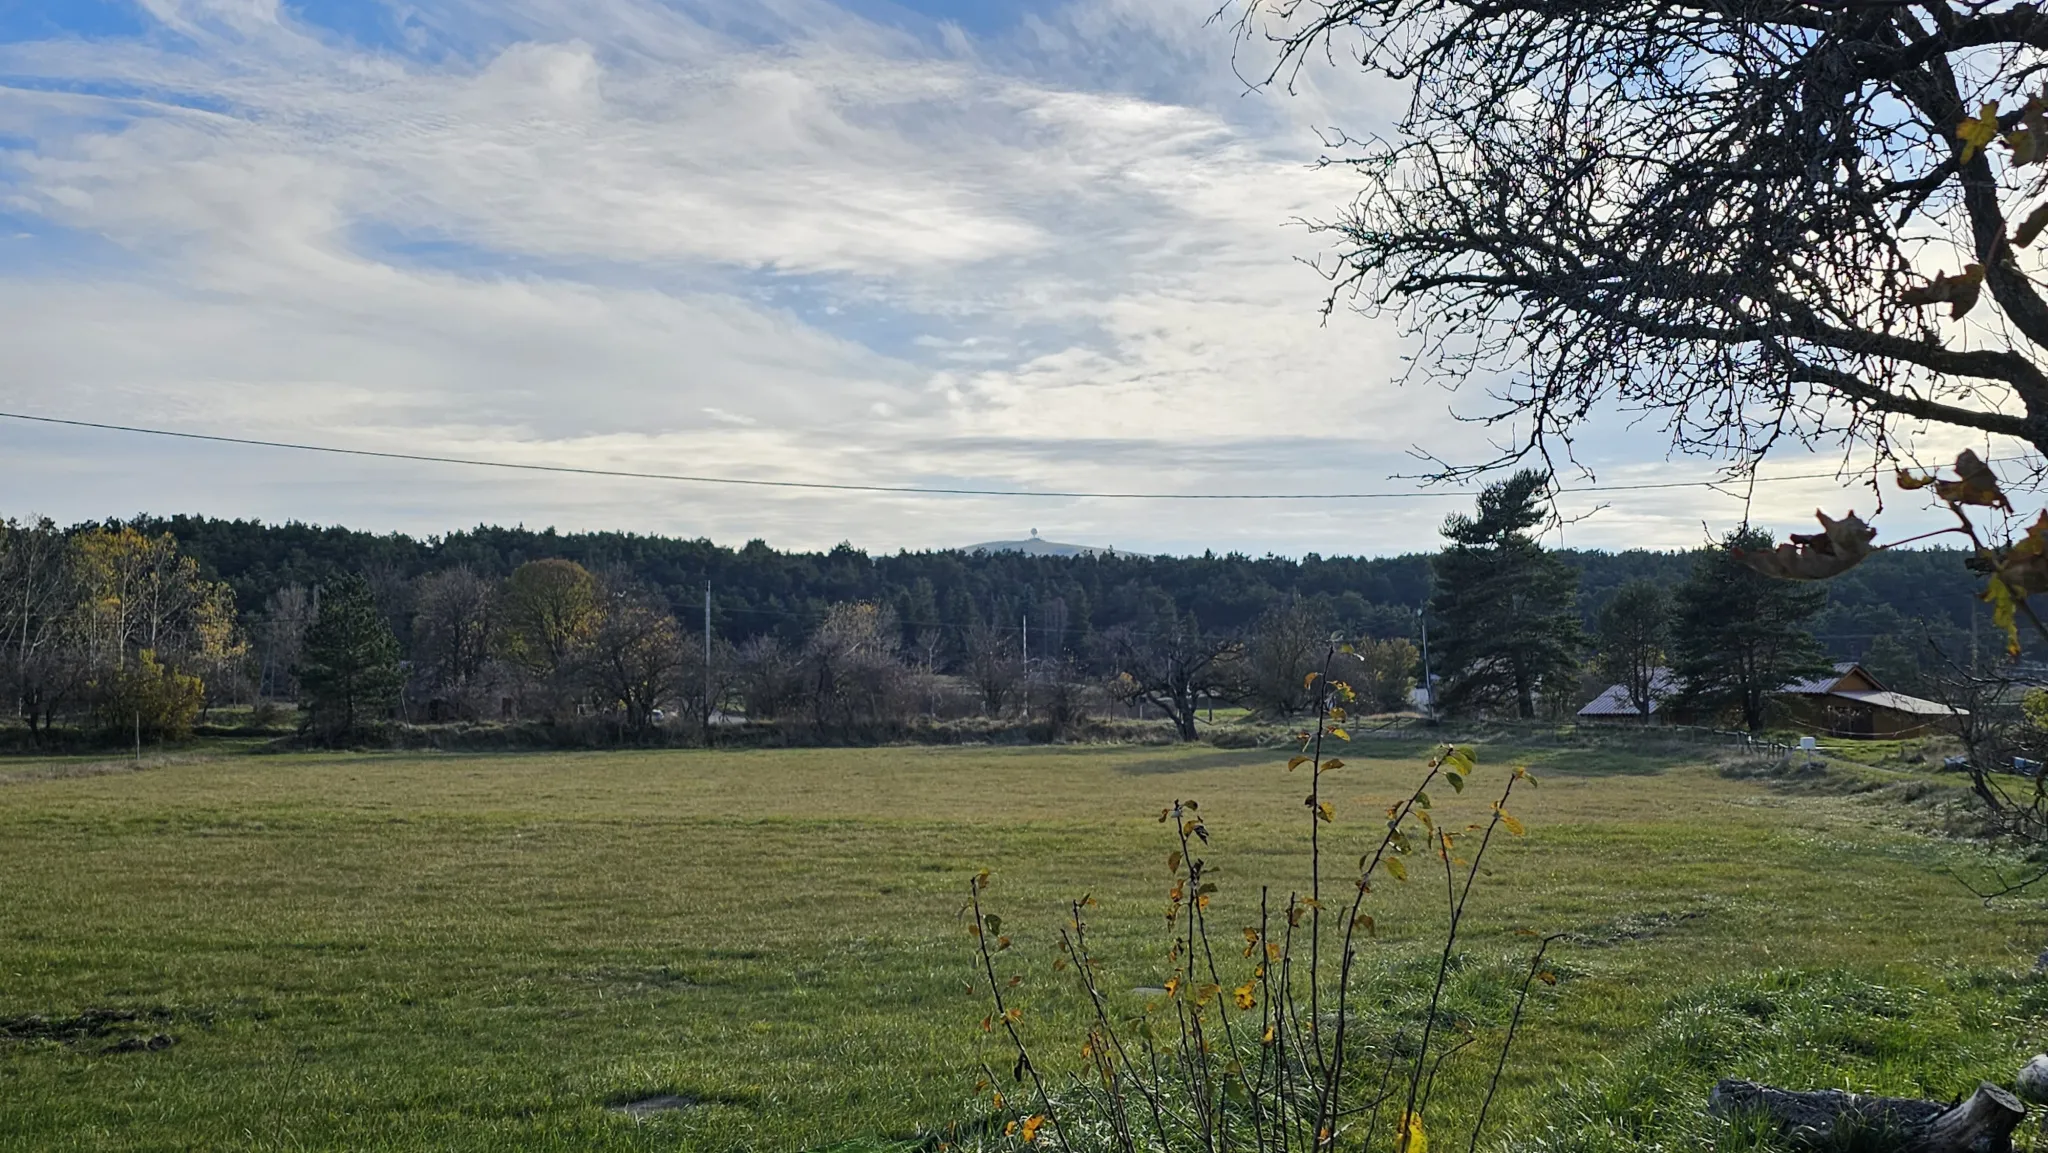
x: 851, y: 670
x: 633, y: 656
x: 1288, y: 643
x: 454, y: 624
x: 1173, y: 666
x: 1732, y: 216
x: 768, y: 677
x: 702, y: 690
x: 281, y: 641
x: 36, y: 593
x: 993, y: 665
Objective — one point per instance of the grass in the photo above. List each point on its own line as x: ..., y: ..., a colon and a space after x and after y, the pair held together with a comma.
x: 483, y: 952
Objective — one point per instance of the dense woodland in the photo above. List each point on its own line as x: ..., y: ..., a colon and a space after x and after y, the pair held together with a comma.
x: 759, y: 590
x: 137, y: 624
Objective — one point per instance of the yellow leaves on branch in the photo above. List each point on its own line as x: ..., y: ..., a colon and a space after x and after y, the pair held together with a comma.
x: 2021, y: 572
x: 1242, y: 995
x: 1959, y: 292
x: 1840, y: 546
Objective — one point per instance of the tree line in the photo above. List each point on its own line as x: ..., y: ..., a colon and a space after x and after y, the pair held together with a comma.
x: 141, y: 626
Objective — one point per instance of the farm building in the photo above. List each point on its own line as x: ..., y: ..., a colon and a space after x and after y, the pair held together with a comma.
x: 1844, y: 702
x: 1849, y: 702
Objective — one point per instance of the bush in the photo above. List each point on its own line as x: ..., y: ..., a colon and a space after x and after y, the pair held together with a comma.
x: 1288, y: 1039
x: 150, y: 701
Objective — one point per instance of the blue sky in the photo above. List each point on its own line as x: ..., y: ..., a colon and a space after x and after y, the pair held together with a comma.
x: 1038, y: 245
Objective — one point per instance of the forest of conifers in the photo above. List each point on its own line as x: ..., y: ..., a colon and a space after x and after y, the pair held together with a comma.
x: 1885, y: 604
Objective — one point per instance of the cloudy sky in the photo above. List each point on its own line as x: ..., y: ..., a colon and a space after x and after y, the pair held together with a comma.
x: 984, y: 243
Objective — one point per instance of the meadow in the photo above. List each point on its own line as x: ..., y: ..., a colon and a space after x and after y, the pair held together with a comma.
x: 383, y: 951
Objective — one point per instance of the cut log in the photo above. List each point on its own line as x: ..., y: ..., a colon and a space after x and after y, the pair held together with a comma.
x: 1981, y: 1124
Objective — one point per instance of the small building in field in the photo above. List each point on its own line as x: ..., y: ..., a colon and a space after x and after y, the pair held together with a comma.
x: 1844, y: 702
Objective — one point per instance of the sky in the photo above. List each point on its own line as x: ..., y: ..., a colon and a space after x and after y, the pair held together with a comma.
x: 1038, y: 246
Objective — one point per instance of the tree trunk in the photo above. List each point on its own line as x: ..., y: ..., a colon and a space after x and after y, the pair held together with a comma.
x: 1981, y: 1124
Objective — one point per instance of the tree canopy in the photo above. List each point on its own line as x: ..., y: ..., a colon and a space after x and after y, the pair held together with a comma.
x: 1755, y: 220
x: 1506, y: 611
x: 1741, y: 636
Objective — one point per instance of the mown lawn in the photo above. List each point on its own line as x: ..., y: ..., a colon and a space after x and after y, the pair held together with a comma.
x: 483, y: 952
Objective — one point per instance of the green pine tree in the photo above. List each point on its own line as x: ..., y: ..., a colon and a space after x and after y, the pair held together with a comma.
x: 349, y: 677
x: 1634, y: 628
x: 1503, y: 608
x: 1740, y: 636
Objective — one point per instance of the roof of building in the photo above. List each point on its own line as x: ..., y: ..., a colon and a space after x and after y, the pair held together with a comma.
x: 1826, y: 682
x: 1900, y: 702
x: 1614, y: 701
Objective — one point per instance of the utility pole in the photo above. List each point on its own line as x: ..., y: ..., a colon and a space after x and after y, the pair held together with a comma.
x: 708, y: 703
x: 1027, y: 666
x: 1428, y: 685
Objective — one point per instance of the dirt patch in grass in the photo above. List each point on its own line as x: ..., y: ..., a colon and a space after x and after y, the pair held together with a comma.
x: 1634, y: 927
x: 102, y: 1030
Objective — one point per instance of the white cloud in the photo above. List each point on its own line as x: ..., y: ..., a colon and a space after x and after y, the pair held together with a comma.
x: 626, y: 235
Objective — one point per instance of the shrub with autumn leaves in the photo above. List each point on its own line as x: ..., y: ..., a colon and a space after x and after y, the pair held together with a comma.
x: 1255, y: 1037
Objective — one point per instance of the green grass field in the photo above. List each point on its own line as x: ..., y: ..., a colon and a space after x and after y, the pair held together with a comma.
x: 483, y: 952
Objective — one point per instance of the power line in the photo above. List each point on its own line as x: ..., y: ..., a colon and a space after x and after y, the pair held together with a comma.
x: 910, y: 490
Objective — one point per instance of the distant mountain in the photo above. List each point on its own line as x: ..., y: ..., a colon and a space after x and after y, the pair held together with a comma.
x: 1036, y: 545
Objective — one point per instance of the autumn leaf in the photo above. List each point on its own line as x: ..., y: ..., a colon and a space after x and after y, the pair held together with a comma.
x: 1340, y: 734
x: 1547, y: 977
x: 1295, y: 763
x: 1513, y: 826
x: 2031, y: 227
x: 2029, y: 141
x: 1975, y: 483
x: 1959, y: 292
x: 1409, y: 1136
x: 2003, y: 607
x: 1324, y: 812
x: 1243, y: 996
x: 1915, y: 480
x: 1396, y: 869
x: 1840, y: 546
x: 1267, y: 1039
x: 1978, y: 132
x: 1364, y: 921
x: 1332, y: 763
x: 1173, y: 861
x: 1029, y: 1130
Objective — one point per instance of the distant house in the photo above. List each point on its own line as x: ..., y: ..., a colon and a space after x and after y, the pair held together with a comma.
x: 1614, y: 704
x: 1849, y: 702
x: 1845, y: 702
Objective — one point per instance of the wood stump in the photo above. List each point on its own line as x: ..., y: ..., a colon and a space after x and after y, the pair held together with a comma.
x: 1981, y: 1124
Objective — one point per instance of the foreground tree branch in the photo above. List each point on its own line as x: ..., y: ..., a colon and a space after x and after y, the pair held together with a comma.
x: 1730, y: 214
